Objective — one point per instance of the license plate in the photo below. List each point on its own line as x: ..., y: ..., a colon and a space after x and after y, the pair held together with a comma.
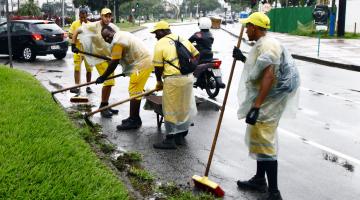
x: 217, y: 72
x: 55, y: 47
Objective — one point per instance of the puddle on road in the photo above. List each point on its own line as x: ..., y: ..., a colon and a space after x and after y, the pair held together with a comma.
x: 52, y: 71
x: 354, y: 90
x: 340, y: 161
x: 56, y: 85
x: 316, y: 93
x: 82, y: 107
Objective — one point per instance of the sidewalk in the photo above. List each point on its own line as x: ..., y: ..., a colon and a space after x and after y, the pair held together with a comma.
x: 341, y: 53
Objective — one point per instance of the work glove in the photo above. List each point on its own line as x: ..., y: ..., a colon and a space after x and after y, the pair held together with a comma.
x: 159, y: 85
x: 74, y: 49
x: 100, y: 79
x: 252, y: 116
x: 238, y: 55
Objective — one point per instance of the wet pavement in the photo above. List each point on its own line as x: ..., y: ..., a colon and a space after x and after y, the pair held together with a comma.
x: 344, y: 52
x: 319, y: 150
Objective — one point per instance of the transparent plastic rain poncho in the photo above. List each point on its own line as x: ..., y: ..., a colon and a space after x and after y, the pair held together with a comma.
x: 135, y: 55
x: 178, y: 103
x: 282, y: 98
x: 92, y: 41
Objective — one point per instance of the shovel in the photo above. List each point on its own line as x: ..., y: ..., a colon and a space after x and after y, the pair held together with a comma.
x: 87, y: 115
x: 204, y: 182
x: 80, y: 85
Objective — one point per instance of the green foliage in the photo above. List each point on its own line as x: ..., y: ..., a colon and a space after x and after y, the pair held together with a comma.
x: 29, y: 9
x: 204, y: 5
x: 173, y: 192
x: 43, y: 155
x: 141, y: 174
x: 78, y: 3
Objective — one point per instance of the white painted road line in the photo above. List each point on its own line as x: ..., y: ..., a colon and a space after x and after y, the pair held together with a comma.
x: 294, y: 135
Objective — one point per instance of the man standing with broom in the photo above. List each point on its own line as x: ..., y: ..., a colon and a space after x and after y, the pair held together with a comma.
x: 268, y: 84
x: 77, y: 57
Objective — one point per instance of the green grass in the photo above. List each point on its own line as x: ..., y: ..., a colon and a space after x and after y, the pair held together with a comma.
x: 309, y: 31
x: 127, y: 26
x: 43, y: 154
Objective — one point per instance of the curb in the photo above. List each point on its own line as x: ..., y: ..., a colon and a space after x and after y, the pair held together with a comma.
x: 313, y: 60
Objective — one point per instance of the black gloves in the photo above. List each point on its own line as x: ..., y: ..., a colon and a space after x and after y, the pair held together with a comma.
x: 100, y: 79
x: 74, y: 49
x: 252, y: 116
x: 238, y: 55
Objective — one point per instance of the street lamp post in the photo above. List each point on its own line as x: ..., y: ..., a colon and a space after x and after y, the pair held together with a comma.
x: 8, y: 33
x: 63, y: 13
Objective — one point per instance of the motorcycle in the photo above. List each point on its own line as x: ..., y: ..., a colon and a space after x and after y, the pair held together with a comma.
x: 209, y: 77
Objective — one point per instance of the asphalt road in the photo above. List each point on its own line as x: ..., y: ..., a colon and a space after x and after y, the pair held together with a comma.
x: 319, y: 150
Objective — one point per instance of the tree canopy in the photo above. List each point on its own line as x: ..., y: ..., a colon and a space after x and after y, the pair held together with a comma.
x: 29, y: 9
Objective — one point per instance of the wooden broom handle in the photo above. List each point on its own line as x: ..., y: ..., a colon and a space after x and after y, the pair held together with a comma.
x: 120, y: 102
x: 223, y: 106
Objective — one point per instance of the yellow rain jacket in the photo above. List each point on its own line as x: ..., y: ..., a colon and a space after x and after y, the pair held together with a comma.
x: 261, y: 138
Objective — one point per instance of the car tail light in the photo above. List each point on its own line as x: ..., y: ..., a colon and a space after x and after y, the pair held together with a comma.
x: 216, y: 64
x: 37, y: 36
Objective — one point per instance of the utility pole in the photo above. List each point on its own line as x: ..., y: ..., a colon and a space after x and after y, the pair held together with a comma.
x: 63, y: 13
x: 341, y: 19
x: 8, y: 33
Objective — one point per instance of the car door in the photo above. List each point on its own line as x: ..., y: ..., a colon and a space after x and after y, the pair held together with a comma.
x: 20, y: 36
x: 3, y: 38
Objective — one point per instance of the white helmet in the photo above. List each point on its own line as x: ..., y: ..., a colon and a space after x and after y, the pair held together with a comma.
x: 204, y: 23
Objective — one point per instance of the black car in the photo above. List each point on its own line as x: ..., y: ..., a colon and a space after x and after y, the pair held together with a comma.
x: 34, y: 37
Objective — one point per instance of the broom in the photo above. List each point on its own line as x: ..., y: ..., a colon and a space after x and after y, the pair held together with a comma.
x: 204, y: 182
x: 87, y: 115
x: 76, y: 98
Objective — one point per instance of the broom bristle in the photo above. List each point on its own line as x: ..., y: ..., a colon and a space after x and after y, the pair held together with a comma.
x: 207, y: 185
x: 79, y: 99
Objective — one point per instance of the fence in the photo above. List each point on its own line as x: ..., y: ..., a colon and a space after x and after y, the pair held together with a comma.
x: 285, y: 20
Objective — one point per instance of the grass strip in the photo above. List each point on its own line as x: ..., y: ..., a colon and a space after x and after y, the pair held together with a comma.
x: 43, y: 154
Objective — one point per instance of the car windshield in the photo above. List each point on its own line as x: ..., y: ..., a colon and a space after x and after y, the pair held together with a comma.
x: 48, y: 27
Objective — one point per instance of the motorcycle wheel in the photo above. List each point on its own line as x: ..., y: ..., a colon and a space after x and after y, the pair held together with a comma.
x: 212, y: 87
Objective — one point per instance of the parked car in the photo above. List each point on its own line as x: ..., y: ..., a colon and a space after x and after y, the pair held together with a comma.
x: 31, y: 38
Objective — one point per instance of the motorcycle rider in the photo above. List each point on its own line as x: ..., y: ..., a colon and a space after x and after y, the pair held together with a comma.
x: 204, y: 41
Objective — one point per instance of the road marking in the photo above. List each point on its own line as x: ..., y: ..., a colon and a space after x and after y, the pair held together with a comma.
x: 322, y: 147
x: 330, y: 95
x: 294, y: 135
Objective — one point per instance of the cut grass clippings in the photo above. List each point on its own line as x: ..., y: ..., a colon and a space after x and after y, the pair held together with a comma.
x: 43, y: 154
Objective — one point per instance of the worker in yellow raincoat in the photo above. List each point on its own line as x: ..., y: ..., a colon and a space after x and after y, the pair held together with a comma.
x: 92, y: 42
x: 135, y: 60
x: 78, y: 58
x: 178, y: 101
x: 269, y: 83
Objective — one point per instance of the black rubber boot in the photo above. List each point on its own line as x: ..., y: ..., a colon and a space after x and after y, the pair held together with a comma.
x: 75, y: 90
x: 275, y: 195
x: 105, y: 113
x: 255, y: 183
x: 168, y: 143
x: 89, y: 90
x: 114, y: 111
x: 129, y: 124
x: 179, y: 138
x: 125, y: 120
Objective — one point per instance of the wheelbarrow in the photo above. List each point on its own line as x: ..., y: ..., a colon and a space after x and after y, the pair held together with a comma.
x: 155, y: 103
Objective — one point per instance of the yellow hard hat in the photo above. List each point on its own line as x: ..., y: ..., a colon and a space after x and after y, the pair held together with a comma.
x: 258, y: 19
x: 160, y: 25
x: 105, y: 11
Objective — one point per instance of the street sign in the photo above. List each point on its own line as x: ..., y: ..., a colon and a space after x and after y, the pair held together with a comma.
x: 321, y: 14
x: 321, y: 28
